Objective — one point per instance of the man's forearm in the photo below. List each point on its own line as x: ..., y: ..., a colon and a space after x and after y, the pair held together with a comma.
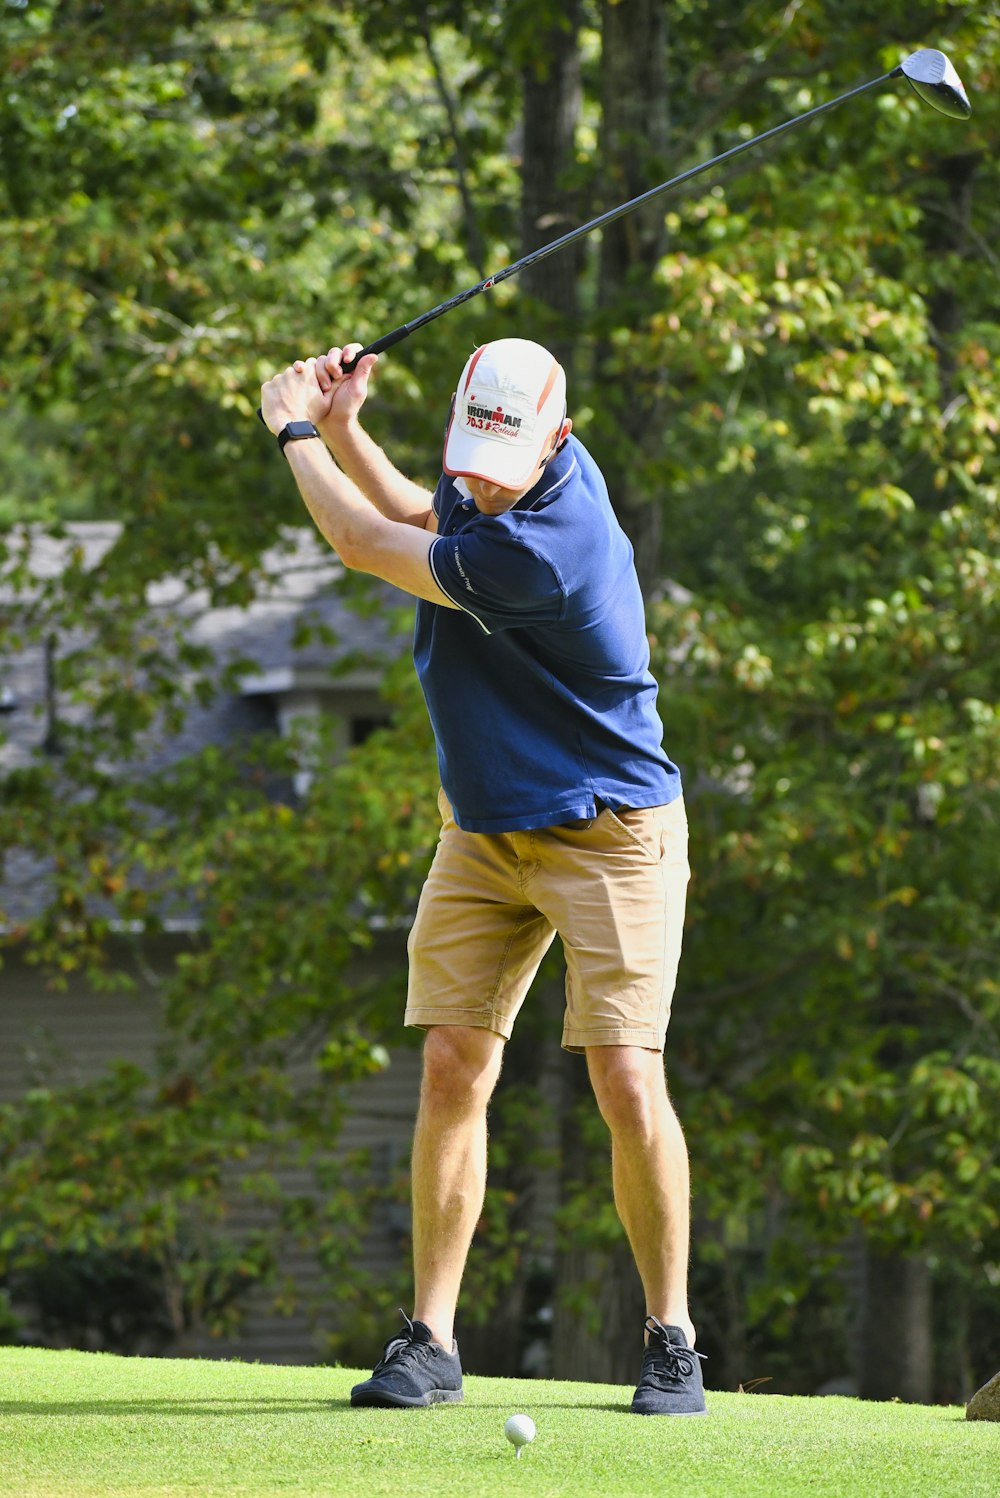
x: 369, y: 470
x: 363, y: 538
x: 341, y: 512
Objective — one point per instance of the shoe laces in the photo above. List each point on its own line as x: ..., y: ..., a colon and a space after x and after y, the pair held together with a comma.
x: 666, y: 1359
x: 404, y: 1347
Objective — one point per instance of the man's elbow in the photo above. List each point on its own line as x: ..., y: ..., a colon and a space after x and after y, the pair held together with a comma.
x: 353, y: 557
x: 362, y: 544
x: 352, y: 545
x: 359, y: 551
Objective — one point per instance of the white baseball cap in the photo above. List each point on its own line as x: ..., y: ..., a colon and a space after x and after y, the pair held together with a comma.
x: 508, y: 407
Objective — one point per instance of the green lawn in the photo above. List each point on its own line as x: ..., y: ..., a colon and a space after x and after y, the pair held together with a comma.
x: 99, y: 1427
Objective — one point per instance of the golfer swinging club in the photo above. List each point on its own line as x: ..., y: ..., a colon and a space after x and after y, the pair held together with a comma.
x: 560, y: 812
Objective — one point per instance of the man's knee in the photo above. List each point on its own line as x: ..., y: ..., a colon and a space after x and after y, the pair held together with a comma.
x: 461, y: 1066
x: 630, y: 1086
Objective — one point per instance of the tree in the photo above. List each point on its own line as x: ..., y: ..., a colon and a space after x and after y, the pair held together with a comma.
x: 848, y: 605
x: 201, y: 138
x: 788, y: 374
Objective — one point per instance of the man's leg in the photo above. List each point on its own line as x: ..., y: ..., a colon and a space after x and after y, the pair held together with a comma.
x: 421, y: 1365
x: 461, y: 1067
x: 649, y: 1172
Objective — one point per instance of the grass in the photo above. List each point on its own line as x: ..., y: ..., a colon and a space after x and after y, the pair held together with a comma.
x: 95, y: 1426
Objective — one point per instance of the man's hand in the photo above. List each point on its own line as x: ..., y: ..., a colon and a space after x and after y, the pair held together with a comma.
x: 318, y: 390
x: 346, y: 393
x: 293, y: 395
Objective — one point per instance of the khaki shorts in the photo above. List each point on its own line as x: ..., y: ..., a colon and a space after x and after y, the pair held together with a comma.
x: 614, y: 890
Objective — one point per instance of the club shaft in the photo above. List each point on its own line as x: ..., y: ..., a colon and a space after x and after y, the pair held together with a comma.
x: 398, y: 334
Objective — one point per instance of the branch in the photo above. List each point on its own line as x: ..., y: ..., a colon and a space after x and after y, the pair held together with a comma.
x: 475, y: 245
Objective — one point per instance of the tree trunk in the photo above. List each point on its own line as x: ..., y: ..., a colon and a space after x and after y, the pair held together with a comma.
x: 948, y: 235
x: 895, y: 1343
x: 634, y: 129
x: 551, y: 86
x: 603, y: 1346
x: 599, y: 1308
x: 552, y: 94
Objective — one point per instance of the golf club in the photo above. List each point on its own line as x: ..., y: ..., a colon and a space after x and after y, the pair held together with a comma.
x: 929, y: 72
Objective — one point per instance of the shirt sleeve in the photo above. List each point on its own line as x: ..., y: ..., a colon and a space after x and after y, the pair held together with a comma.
x: 496, y: 578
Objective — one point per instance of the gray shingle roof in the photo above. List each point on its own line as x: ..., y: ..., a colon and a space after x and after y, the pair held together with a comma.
x: 303, y: 594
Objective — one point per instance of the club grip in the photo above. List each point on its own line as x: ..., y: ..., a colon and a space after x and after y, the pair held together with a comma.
x: 386, y: 341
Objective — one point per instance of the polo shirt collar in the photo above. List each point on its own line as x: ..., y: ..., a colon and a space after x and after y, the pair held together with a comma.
x: 557, y: 471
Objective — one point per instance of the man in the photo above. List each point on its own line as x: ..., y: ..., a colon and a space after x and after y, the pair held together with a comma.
x: 560, y: 812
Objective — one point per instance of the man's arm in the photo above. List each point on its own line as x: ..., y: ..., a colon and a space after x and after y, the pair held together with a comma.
x: 391, y: 546
x: 356, y: 454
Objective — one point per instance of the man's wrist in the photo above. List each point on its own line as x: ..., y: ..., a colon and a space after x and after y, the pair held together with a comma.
x: 296, y: 431
x: 338, y: 431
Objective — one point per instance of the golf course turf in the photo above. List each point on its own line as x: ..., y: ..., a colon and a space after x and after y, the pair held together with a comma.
x: 97, y: 1426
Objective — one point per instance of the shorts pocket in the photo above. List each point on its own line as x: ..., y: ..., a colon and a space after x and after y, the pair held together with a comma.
x: 638, y: 827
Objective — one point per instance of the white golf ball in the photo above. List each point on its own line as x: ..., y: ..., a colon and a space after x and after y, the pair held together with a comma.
x: 519, y: 1430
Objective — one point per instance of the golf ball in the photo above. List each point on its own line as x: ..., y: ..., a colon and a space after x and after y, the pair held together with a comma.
x: 519, y: 1430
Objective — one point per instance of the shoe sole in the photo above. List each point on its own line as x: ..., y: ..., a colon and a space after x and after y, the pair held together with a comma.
x: 400, y: 1401
x: 671, y: 1414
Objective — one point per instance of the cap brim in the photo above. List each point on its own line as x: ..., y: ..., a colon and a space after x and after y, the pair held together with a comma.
x: 466, y: 456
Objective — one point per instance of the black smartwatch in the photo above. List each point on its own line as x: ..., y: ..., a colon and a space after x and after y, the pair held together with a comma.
x: 296, y: 431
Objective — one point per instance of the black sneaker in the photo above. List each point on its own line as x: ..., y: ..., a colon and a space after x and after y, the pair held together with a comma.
x: 414, y: 1370
x: 670, y: 1382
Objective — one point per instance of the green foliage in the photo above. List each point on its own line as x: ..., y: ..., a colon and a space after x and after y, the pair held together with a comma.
x: 819, y: 364
x: 835, y: 681
x: 797, y: 408
x: 265, y: 1022
x: 190, y: 194
x: 194, y: 196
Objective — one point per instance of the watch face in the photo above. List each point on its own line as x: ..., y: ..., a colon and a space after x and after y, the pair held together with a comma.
x: 296, y: 430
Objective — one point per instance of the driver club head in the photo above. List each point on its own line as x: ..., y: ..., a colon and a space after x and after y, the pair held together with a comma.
x: 932, y: 76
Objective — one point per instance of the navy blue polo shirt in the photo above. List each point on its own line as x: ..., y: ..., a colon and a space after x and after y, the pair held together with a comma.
x: 538, y: 685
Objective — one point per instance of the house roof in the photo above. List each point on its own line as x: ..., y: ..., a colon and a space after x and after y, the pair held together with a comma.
x: 299, y: 634
x: 300, y: 631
